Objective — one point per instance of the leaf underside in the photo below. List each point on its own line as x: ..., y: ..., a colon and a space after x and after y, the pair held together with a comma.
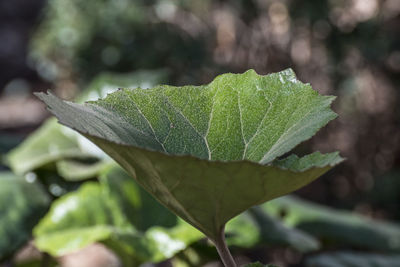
x: 209, y: 152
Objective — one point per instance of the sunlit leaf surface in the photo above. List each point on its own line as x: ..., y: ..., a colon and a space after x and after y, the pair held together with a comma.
x: 209, y: 152
x: 51, y: 142
x: 97, y: 213
x: 48, y: 144
x: 75, y: 170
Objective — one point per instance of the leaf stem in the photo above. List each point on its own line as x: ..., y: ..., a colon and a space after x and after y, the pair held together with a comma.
x: 223, y: 250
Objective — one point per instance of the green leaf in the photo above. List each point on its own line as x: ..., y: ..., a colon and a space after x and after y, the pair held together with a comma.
x: 21, y: 206
x: 81, y: 218
x: 51, y: 142
x: 207, y: 152
x: 242, y: 231
x: 169, y: 241
x: 74, y: 170
x: 255, y: 227
x: 96, y: 213
x: 48, y: 144
x: 274, y: 232
x: 78, y: 219
x: 138, y: 206
x: 335, y: 226
x: 353, y: 259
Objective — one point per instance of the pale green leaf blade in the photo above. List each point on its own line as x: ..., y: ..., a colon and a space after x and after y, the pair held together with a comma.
x: 48, y: 144
x: 78, y: 219
x: 166, y: 242
x: 84, y: 208
x: 74, y: 170
x: 21, y: 206
x: 71, y: 240
x: 237, y: 116
x: 243, y: 231
x: 84, y: 217
x: 315, y: 159
x: 140, y: 208
x: 51, y: 143
x: 255, y: 228
x: 191, y: 139
x: 94, y: 214
x: 336, y: 226
x: 164, y: 234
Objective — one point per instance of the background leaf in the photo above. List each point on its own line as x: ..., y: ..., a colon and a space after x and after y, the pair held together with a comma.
x: 52, y: 142
x: 336, y: 226
x: 22, y: 203
x: 138, y: 206
x: 78, y: 219
x: 96, y: 213
x: 256, y: 228
x: 48, y: 144
x: 74, y: 170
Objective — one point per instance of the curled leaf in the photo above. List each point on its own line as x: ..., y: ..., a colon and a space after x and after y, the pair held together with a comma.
x: 209, y: 152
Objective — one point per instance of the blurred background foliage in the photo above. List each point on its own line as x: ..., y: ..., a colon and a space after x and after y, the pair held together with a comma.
x: 347, y: 48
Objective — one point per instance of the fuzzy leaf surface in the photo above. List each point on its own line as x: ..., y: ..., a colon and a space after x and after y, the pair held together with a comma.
x: 209, y: 152
x: 51, y: 142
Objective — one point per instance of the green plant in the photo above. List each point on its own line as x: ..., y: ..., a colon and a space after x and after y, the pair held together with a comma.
x: 22, y: 204
x: 209, y: 152
x: 117, y: 213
